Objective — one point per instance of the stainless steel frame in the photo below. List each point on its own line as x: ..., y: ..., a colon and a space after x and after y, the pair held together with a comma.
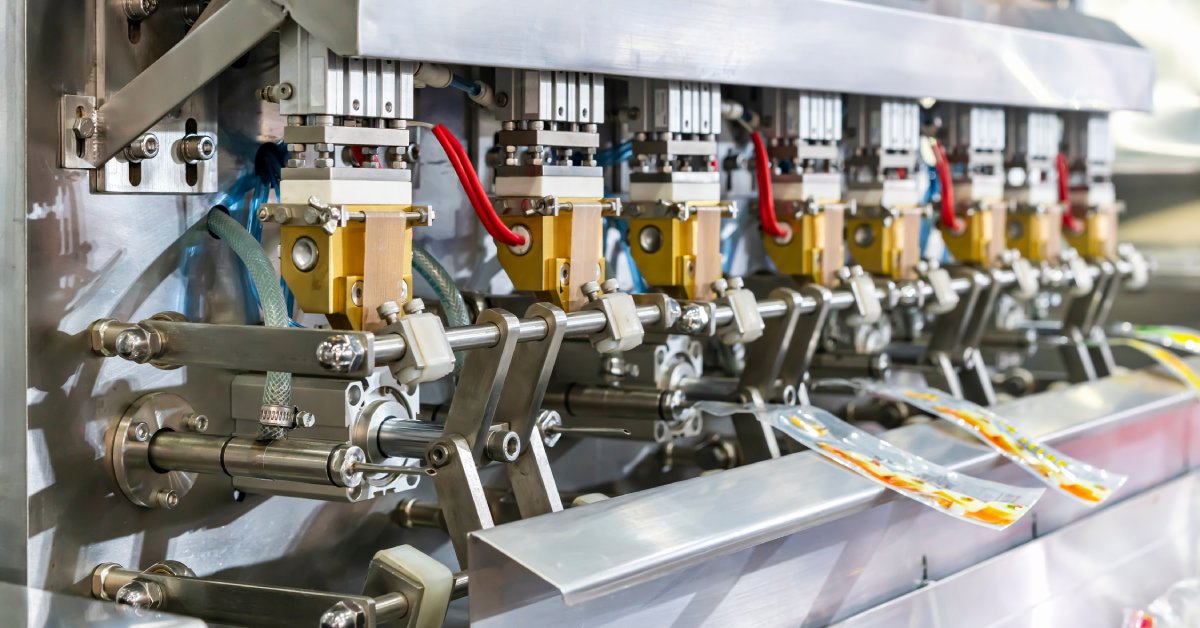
x: 843, y: 45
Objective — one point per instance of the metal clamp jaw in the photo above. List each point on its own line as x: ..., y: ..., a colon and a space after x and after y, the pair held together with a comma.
x: 862, y: 287
x: 747, y: 324
x: 429, y: 356
x: 944, y: 298
x: 624, y: 330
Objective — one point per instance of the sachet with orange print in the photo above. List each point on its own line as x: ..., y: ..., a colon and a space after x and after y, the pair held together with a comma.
x: 977, y: 501
x: 1077, y: 479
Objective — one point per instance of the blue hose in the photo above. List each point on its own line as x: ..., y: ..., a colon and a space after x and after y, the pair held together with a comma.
x: 622, y: 228
x: 463, y: 84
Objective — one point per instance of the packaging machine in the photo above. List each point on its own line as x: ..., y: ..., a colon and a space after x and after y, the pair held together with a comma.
x: 422, y: 314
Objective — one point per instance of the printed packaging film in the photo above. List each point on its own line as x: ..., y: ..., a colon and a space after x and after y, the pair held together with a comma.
x: 1158, y: 342
x: 1057, y: 470
x: 970, y: 499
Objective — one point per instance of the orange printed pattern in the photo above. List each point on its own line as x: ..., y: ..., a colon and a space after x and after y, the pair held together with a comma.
x: 1055, y: 469
x: 996, y: 513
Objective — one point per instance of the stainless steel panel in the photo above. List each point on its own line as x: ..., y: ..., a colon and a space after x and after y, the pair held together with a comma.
x: 31, y: 607
x: 1087, y: 574
x: 834, y: 45
x: 848, y: 545
x: 14, y: 521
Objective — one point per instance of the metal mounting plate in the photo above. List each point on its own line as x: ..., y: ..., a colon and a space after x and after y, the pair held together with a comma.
x: 130, y: 457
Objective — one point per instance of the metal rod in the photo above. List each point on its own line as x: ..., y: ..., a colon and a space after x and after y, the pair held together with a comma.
x: 589, y: 431
x: 294, y: 459
x: 398, y: 438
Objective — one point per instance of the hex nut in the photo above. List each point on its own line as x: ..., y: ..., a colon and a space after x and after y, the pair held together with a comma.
x: 84, y: 128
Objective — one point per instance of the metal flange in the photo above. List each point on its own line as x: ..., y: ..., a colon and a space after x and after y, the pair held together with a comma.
x: 129, y: 450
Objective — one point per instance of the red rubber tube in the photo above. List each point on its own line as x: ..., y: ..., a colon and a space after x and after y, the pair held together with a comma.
x: 1064, y: 194
x: 766, y: 199
x: 946, y: 183
x: 474, y: 189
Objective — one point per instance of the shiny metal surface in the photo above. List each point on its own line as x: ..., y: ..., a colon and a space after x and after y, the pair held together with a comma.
x: 14, y: 372
x: 832, y: 542
x: 1086, y: 574
x: 31, y: 607
x: 1010, y: 63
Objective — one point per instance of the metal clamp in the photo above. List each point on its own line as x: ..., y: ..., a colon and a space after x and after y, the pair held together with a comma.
x: 945, y: 298
x: 747, y: 324
x: 1025, y: 284
x: 862, y: 288
x: 429, y: 356
x: 624, y: 329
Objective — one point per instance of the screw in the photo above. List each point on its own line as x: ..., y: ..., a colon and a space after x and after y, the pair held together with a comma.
x: 439, y: 455
x: 547, y: 422
x: 591, y: 290
x: 144, y: 147
x: 736, y: 283
x: 416, y: 306
x: 84, y: 128
x: 720, y: 286
x: 140, y: 432
x: 503, y: 445
x: 196, y: 423
x: 138, y: 10
x: 197, y: 148
x: 166, y: 498
x: 611, y: 285
x: 389, y: 312
x: 305, y: 418
x: 341, y: 353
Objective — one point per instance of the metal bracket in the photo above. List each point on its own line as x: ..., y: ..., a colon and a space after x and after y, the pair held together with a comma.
x: 459, y: 490
x: 521, y: 401
x: 222, y: 36
x: 484, y: 372
x: 807, y: 337
x: 765, y: 357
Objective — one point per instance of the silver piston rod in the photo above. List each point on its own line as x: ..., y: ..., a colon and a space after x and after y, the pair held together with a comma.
x: 294, y: 459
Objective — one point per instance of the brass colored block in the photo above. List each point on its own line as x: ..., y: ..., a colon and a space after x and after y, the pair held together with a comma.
x: 814, y: 250
x: 1036, y: 234
x: 887, y: 244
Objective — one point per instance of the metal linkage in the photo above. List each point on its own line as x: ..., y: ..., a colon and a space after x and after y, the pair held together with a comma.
x: 404, y: 587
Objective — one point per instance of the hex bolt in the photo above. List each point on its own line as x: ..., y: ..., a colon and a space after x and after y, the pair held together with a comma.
x: 166, y: 498
x: 140, y: 594
x: 611, y: 285
x: 134, y: 345
x: 416, y: 306
x: 344, y: 614
x: 304, y: 418
x: 83, y: 128
x: 196, y: 423
x: 692, y: 318
x: 197, y: 148
x: 140, y: 432
x: 389, y: 312
x: 138, y: 10
x: 341, y: 353
x: 591, y: 290
x: 720, y: 286
x: 503, y: 445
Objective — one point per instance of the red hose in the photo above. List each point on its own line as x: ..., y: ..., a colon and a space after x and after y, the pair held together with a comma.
x: 766, y: 200
x: 946, y: 183
x: 474, y: 189
x: 1064, y: 194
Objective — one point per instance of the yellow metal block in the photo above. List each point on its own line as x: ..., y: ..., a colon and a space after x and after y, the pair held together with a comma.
x: 814, y: 250
x: 1036, y: 235
x: 333, y: 286
x: 545, y: 266
x: 886, y: 245
x: 1098, y: 239
x: 680, y: 257
x: 982, y: 239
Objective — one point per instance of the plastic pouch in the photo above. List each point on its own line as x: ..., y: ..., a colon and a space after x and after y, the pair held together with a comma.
x: 1059, y: 471
x: 970, y: 499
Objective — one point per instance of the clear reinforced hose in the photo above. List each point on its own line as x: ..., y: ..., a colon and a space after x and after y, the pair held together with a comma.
x: 278, y: 389
x: 445, y: 289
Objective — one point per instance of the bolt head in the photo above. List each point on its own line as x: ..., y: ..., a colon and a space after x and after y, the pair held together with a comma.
x: 140, y: 432
x: 439, y: 455
x: 416, y: 306
x: 736, y: 283
x: 84, y: 128
x: 197, y: 423
x: 305, y: 418
x: 611, y: 285
x: 134, y: 345
x: 591, y: 290
x: 166, y: 499
x: 503, y: 445
x: 720, y: 286
x: 693, y: 318
x: 140, y: 594
x: 341, y: 353
x: 344, y: 614
x: 388, y: 309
